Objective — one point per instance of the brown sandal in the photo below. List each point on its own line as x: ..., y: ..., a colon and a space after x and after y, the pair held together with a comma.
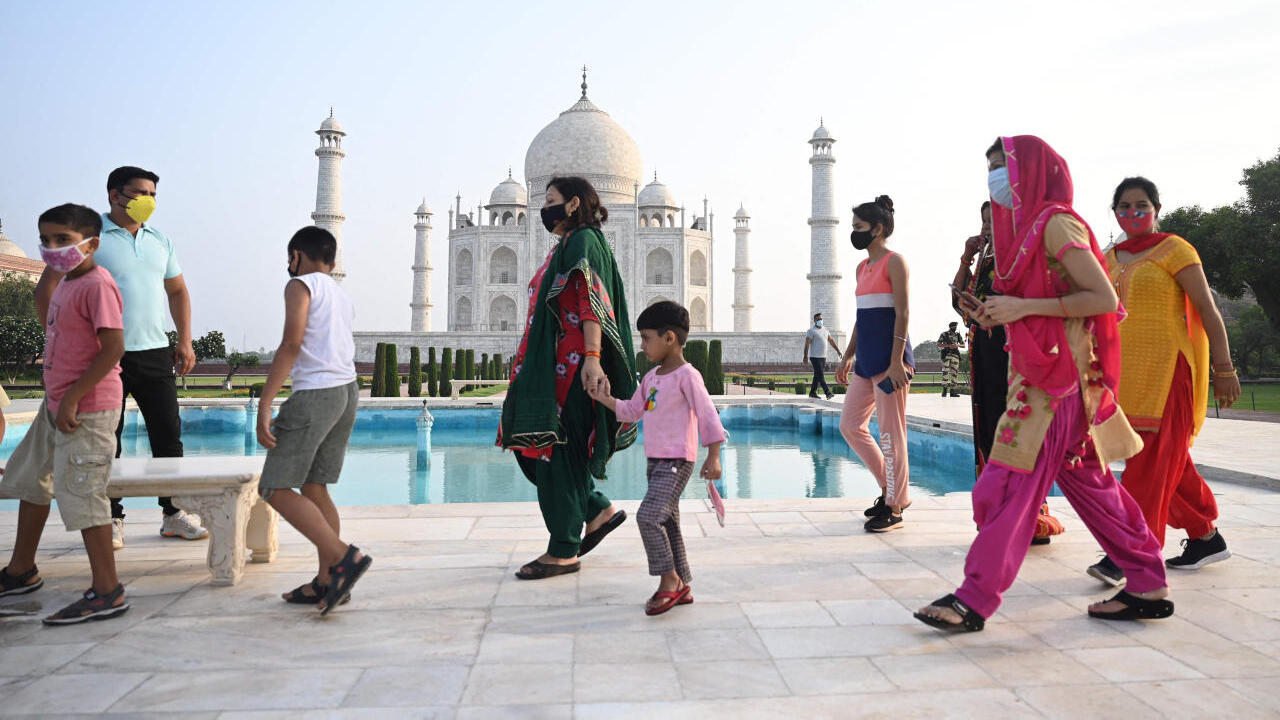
x: 535, y: 570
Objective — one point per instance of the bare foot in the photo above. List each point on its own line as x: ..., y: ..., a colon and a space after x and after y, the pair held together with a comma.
x: 944, y: 614
x: 1112, y: 606
x: 600, y: 519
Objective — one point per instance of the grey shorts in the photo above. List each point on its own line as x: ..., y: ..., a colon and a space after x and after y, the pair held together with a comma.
x: 72, y: 467
x: 312, y: 429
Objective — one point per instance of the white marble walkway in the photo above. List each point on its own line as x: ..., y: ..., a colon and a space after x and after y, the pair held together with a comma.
x: 798, y: 613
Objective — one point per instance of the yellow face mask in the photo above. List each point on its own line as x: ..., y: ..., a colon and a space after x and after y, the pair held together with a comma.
x: 140, y: 208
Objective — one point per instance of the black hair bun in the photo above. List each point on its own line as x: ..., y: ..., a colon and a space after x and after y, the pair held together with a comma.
x: 885, y: 202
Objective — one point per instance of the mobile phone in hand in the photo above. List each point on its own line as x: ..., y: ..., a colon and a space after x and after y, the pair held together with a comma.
x: 886, y: 385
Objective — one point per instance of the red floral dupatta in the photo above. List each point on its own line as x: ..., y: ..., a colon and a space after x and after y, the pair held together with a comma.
x: 1038, y: 349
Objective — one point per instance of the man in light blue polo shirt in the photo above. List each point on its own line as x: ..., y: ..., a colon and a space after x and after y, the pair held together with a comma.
x: 145, y: 267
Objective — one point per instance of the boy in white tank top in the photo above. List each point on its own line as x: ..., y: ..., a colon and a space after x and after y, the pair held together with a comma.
x: 307, y: 440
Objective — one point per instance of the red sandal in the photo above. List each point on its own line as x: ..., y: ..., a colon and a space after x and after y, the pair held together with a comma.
x: 670, y: 599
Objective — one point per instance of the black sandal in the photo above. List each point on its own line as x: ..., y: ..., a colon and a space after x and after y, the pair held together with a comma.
x: 970, y: 620
x: 91, y: 606
x: 593, y: 538
x: 19, y: 584
x: 343, y: 577
x: 1136, y: 608
x: 298, y: 596
x: 534, y: 570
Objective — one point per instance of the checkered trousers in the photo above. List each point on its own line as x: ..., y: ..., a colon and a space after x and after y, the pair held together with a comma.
x: 659, y: 517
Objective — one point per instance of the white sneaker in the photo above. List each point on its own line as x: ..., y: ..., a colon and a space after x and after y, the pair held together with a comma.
x: 117, y: 533
x: 182, y: 525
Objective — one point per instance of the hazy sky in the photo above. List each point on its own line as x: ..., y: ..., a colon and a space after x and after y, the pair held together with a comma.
x: 222, y: 100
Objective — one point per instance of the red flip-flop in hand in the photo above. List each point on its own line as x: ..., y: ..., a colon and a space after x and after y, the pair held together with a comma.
x: 717, y: 502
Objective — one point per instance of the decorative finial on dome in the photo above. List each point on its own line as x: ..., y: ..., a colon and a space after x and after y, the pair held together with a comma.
x: 821, y: 123
x: 330, y: 111
x: 584, y: 82
x: 509, y: 173
x: 655, y: 176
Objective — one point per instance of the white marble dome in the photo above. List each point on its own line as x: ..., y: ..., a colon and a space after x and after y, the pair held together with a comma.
x: 509, y: 192
x: 742, y: 212
x: 423, y: 209
x: 655, y: 194
x: 585, y: 141
x: 331, y: 124
x: 9, y: 247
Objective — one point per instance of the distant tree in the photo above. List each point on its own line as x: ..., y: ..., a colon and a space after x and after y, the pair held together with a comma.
x: 642, y: 364
x: 391, y: 366
x: 21, y: 342
x: 379, y: 370
x: 209, y: 346
x: 1239, y: 244
x: 17, y: 295
x: 1255, y: 345
x: 498, y: 373
x: 927, y: 350
x: 237, y: 360
x: 415, y: 372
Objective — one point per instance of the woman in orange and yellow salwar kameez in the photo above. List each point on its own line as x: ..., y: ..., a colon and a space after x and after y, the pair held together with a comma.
x: 1165, y: 340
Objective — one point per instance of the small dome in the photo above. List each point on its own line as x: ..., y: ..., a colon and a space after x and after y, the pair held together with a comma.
x: 8, y: 247
x: 331, y: 124
x: 742, y: 212
x: 821, y: 133
x: 655, y: 194
x: 423, y: 209
x: 509, y: 192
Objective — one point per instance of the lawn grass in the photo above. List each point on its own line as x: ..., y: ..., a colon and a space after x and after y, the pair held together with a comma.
x: 1262, y: 397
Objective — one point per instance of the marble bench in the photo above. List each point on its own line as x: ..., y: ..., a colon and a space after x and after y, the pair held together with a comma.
x: 223, y: 491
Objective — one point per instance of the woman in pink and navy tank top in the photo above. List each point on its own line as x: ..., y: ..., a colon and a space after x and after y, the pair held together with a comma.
x: 879, y: 356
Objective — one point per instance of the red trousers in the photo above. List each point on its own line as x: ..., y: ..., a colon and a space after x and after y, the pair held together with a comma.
x: 1162, y: 478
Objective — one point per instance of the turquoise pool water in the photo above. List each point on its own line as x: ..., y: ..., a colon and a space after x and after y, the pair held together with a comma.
x: 777, y: 451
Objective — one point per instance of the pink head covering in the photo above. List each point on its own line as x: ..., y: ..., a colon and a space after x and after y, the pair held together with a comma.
x: 1042, y: 188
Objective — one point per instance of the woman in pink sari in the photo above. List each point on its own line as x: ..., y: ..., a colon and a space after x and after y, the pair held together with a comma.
x: 1062, y: 424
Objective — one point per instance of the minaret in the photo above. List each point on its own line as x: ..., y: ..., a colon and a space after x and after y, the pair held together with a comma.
x: 420, y: 318
x: 328, y: 214
x: 741, y: 271
x: 824, y: 275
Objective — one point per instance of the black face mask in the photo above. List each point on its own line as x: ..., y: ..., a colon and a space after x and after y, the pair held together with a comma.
x: 553, y: 214
x: 861, y: 239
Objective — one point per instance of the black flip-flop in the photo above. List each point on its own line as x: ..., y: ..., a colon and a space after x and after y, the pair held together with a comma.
x: 539, y: 570
x: 970, y: 621
x: 593, y: 538
x: 343, y: 577
x: 1136, y: 608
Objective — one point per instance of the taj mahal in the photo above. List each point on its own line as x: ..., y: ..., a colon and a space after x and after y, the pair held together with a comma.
x: 663, y: 251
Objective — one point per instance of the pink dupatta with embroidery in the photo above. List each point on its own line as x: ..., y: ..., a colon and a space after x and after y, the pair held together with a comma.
x: 1038, y: 348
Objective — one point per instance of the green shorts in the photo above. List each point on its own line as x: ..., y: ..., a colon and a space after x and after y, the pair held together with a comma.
x: 72, y: 467
x: 312, y: 429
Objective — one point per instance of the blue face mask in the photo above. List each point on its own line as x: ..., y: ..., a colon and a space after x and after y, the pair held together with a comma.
x: 998, y: 186
x: 817, y: 323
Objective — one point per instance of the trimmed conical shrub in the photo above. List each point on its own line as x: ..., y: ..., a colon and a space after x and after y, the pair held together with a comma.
x: 433, y: 373
x: 446, y: 371
x: 391, y: 385
x: 714, y: 379
x: 415, y: 372
x: 379, y: 369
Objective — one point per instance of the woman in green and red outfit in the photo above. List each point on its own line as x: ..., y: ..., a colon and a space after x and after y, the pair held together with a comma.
x: 576, y: 338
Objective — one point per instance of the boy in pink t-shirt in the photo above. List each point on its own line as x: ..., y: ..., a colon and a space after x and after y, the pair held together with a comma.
x: 68, y: 449
x: 676, y: 408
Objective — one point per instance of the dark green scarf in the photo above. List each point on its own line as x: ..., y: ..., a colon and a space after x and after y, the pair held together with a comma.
x: 530, y: 414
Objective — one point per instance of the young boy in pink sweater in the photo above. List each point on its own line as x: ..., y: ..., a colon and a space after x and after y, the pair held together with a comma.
x: 676, y: 409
